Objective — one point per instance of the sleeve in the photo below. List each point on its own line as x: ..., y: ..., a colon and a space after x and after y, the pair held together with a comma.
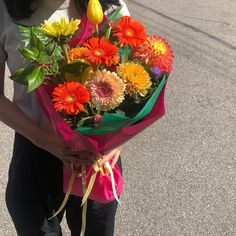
x: 3, y: 55
x: 3, y: 20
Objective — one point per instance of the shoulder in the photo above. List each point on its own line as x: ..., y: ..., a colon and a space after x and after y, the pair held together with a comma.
x: 3, y: 9
x: 4, y: 16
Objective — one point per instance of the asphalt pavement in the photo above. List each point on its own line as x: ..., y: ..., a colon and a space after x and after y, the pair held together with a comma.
x: 180, y: 173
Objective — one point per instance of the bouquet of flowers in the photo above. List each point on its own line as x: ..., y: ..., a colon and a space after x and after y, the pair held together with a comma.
x: 100, y: 81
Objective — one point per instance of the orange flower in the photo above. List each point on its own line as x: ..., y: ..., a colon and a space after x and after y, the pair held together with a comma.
x: 70, y: 97
x: 129, y: 31
x: 76, y: 53
x: 115, y: 59
x: 100, y: 51
x: 136, y: 79
x: 155, y: 52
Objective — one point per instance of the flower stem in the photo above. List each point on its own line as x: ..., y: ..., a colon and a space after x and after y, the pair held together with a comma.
x: 65, y: 50
x: 108, y: 33
x: 125, y: 56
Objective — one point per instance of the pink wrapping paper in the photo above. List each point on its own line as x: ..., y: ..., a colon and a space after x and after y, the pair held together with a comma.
x: 102, y: 189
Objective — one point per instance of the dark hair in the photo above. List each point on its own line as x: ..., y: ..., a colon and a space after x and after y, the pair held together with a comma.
x: 21, y: 9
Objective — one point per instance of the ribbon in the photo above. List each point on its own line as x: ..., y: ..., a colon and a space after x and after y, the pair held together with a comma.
x: 84, y: 210
x: 113, y: 184
x: 70, y: 185
x: 105, y: 171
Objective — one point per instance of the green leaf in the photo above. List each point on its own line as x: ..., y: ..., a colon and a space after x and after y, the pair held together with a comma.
x: 35, y: 78
x: 76, y: 68
x: 53, y: 53
x: 40, y: 34
x: 26, y: 32
x: 21, y: 74
x: 29, y: 54
x: 50, y: 48
x: 36, y: 42
x: 36, y: 45
x: 55, y: 68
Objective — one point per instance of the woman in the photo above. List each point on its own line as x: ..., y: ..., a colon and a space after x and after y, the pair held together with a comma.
x: 34, y: 189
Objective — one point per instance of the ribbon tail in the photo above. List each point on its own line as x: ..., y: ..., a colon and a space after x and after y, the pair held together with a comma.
x: 90, y: 187
x: 108, y: 166
x: 70, y: 185
x: 84, y: 210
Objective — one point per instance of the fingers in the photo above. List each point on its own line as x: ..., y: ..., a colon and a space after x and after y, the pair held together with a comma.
x: 87, y: 158
x: 81, y: 154
x: 67, y: 160
x: 78, y: 160
x: 78, y: 157
x: 115, y: 159
x: 107, y: 157
x: 114, y: 154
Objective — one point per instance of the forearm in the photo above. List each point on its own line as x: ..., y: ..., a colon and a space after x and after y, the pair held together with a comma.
x: 13, y: 117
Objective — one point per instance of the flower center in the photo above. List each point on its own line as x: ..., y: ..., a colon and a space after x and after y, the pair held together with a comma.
x: 70, y: 98
x: 99, y: 52
x: 159, y: 47
x: 104, y: 90
x: 129, y: 32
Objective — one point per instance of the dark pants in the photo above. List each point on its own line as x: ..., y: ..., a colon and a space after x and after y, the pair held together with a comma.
x: 34, y: 192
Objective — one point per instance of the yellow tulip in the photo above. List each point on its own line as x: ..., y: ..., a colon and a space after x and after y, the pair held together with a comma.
x: 95, y: 12
x: 61, y: 28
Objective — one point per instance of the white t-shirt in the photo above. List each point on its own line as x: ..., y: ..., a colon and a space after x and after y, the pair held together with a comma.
x: 10, y: 39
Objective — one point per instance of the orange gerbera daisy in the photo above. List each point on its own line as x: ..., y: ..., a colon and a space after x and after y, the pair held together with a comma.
x: 100, y: 51
x: 155, y: 52
x: 129, y: 31
x: 70, y: 97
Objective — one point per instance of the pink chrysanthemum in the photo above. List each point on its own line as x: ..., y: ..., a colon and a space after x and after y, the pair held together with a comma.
x: 106, y: 88
x: 156, y: 52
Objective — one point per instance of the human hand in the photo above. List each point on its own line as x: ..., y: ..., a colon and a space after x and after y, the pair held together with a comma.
x: 49, y: 141
x: 113, y: 154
